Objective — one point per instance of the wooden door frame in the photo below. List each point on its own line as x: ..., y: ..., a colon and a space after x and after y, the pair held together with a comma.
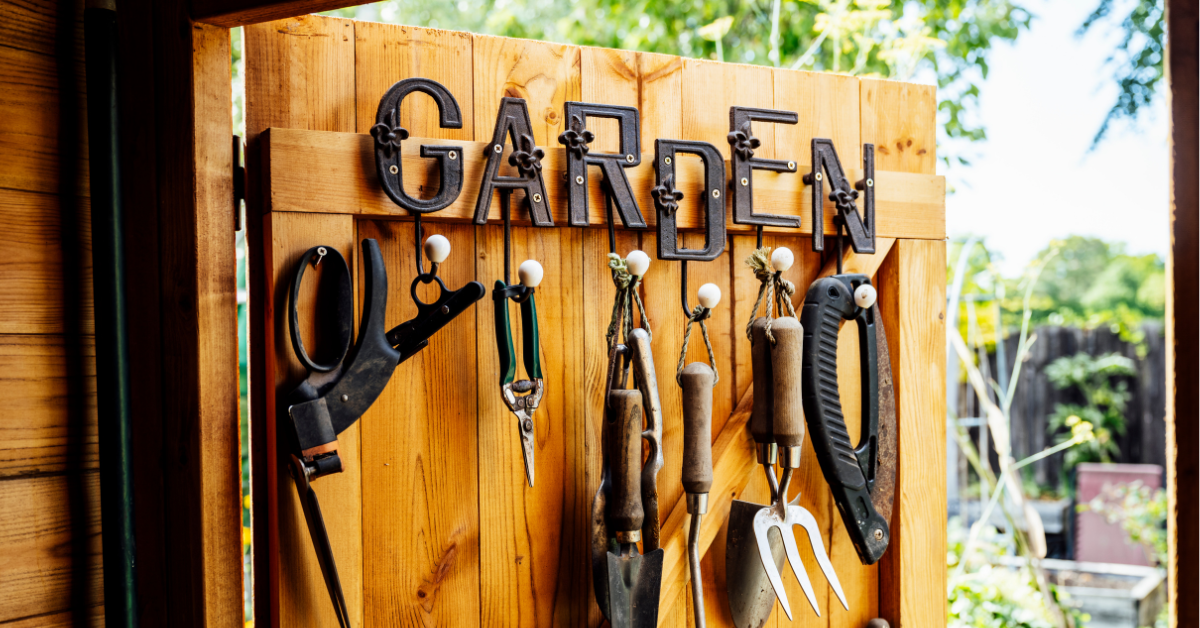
x: 178, y: 193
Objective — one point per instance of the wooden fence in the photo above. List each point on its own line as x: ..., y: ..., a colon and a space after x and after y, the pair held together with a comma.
x: 1144, y: 440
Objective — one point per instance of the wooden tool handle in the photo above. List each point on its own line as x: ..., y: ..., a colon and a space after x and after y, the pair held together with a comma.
x: 697, y: 379
x: 763, y: 411
x: 786, y: 363
x: 624, y: 421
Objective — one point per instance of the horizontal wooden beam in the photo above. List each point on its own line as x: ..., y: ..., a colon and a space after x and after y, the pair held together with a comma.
x: 734, y: 464
x: 327, y: 172
x: 231, y: 13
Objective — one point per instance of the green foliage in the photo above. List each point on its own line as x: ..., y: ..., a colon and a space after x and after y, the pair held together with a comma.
x: 988, y: 595
x: 1101, y: 381
x: 1137, y: 62
x: 1141, y: 513
x: 946, y: 40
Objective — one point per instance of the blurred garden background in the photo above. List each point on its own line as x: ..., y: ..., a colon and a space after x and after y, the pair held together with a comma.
x: 1057, y: 212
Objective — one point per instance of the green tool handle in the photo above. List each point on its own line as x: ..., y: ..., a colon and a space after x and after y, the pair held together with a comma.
x: 504, y: 341
x: 624, y: 422
x: 530, y: 341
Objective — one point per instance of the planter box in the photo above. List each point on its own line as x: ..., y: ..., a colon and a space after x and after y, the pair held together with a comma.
x: 1115, y: 595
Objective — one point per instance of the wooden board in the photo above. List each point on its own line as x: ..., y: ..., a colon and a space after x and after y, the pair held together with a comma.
x: 483, y: 548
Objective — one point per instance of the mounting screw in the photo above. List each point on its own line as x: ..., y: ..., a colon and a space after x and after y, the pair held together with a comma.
x: 537, y: 198
x: 497, y: 148
x: 667, y: 160
x: 817, y: 176
x: 629, y: 158
x: 345, y: 398
x: 791, y: 165
x: 745, y: 181
x: 878, y: 534
x: 453, y: 155
x: 579, y: 179
x: 716, y: 193
x: 870, y: 183
x: 527, y: 425
x: 393, y: 169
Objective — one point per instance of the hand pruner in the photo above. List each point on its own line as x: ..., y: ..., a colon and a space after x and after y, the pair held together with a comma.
x: 521, y: 396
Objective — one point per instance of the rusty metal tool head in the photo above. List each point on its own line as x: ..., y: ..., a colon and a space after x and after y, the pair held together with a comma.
x: 862, y: 478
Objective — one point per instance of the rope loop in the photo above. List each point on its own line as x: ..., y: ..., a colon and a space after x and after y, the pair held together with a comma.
x: 776, y: 290
x: 621, y: 320
x: 698, y: 316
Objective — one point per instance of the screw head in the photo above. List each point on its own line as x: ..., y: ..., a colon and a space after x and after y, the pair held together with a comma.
x: 791, y: 165
x: 537, y: 198
x: 870, y: 183
x: 453, y: 154
x: 667, y: 160
x: 393, y: 169
x: 716, y: 193
x: 497, y: 148
x: 579, y: 179
x: 345, y: 398
x: 878, y: 534
x: 629, y: 158
x: 818, y: 176
x: 321, y: 251
x: 527, y: 425
x: 745, y: 181
x: 445, y: 310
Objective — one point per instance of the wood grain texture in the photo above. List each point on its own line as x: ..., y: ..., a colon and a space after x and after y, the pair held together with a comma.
x: 231, y: 13
x: 711, y: 88
x: 546, y: 75
x: 51, y: 537
x: 31, y: 272
x: 42, y: 434
x: 900, y: 119
x: 300, y: 73
x: 420, y: 518
x: 335, y: 173
x: 1183, y: 361
x: 914, y: 314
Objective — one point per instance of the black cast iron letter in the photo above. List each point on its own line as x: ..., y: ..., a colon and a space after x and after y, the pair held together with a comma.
x: 513, y: 121
x: 742, y: 144
x: 860, y: 228
x: 388, y: 134
x: 576, y: 139
x: 667, y: 198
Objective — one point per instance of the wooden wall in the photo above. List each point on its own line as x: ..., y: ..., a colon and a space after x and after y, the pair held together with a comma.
x: 49, y: 488
x: 432, y: 523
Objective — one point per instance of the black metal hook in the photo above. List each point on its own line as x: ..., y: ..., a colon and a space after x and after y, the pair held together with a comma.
x: 517, y: 293
x: 418, y: 234
x: 683, y: 295
x: 758, y: 232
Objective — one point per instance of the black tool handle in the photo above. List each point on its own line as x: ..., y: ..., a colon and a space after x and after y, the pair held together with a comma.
x: 786, y: 363
x: 763, y: 412
x: 829, y: 302
x: 343, y: 302
x: 697, y: 379
x: 624, y: 420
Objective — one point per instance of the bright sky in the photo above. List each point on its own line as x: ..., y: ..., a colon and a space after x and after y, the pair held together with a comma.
x: 1033, y: 179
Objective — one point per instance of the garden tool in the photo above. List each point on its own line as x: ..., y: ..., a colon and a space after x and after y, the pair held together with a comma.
x: 521, y: 396
x: 337, y: 393
x: 862, y: 478
x: 697, y: 381
x: 413, y: 335
x: 633, y: 579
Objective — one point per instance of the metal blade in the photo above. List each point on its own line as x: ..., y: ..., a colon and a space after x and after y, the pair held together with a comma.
x: 525, y: 424
x: 763, y: 522
x: 646, y: 587
x: 622, y: 570
x: 803, y: 518
x: 883, y: 493
x: 751, y: 596
x: 323, y: 548
x: 793, y: 556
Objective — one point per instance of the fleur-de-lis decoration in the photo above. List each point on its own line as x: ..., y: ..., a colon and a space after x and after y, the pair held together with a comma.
x: 528, y: 157
x: 576, y: 138
x: 388, y: 137
x: 844, y: 199
x: 666, y: 196
x: 742, y: 142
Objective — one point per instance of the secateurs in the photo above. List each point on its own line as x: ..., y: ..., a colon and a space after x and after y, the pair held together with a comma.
x: 753, y: 561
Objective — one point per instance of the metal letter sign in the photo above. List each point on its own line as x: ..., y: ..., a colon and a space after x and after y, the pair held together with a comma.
x: 513, y: 120
x: 388, y: 134
x: 576, y: 139
x: 860, y: 228
x: 667, y: 198
x: 742, y: 144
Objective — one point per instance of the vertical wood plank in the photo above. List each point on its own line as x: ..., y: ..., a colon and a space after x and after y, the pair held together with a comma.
x: 533, y: 541
x: 900, y: 119
x: 419, y: 503
x: 299, y: 74
x: 299, y: 597
x: 913, y: 571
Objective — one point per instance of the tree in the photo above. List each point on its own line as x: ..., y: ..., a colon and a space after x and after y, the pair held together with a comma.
x: 1137, y: 62
x: 945, y: 40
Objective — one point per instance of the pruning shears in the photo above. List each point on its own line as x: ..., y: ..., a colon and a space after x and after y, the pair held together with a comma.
x: 521, y: 396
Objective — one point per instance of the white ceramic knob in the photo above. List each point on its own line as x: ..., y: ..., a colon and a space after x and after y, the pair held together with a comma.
x: 530, y: 273
x: 638, y: 263
x: 437, y: 248
x: 709, y: 295
x: 865, y: 295
x: 782, y: 258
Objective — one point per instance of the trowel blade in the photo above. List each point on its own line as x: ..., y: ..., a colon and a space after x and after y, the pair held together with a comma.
x: 633, y: 588
x: 751, y: 597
